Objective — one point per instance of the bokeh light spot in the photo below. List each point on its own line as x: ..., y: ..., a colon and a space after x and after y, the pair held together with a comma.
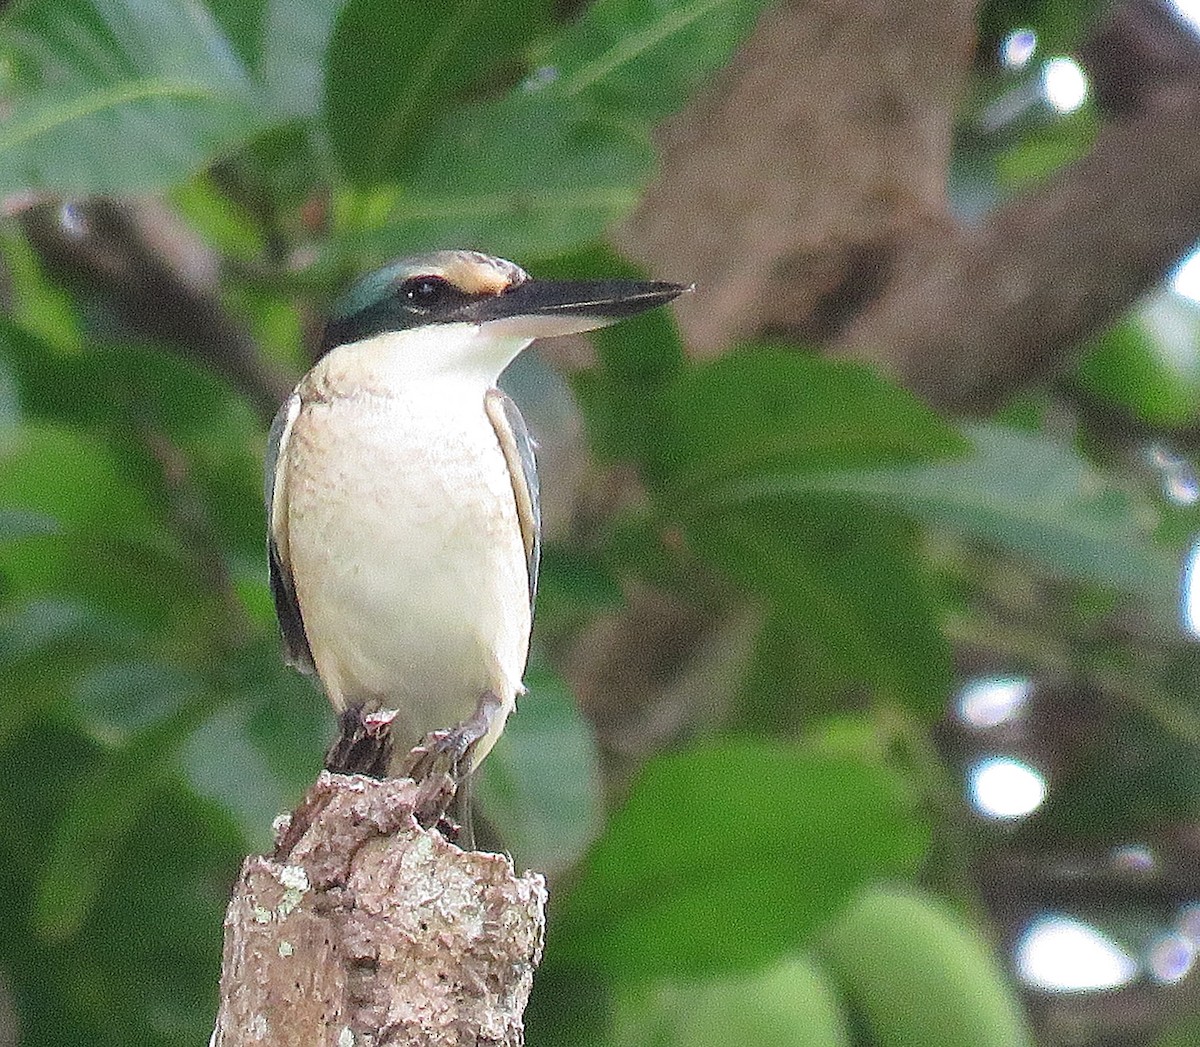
x: 1064, y: 84
x: 992, y: 700
x: 1018, y: 48
x: 1190, y: 594
x: 1170, y: 958
x: 1005, y: 788
x: 1061, y: 954
x: 1185, y: 281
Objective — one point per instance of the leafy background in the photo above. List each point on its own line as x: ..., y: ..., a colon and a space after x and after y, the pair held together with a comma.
x: 802, y: 863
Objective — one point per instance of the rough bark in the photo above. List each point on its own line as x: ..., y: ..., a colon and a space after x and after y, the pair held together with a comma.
x: 365, y: 930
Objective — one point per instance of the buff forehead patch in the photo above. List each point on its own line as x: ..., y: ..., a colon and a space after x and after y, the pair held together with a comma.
x: 477, y: 274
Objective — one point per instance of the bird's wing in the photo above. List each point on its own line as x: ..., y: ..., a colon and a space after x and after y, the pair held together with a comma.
x: 517, y: 445
x: 296, y: 650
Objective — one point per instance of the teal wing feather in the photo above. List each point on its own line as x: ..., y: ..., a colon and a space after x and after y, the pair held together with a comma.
x: 518, y: 448
x: 296, y: 648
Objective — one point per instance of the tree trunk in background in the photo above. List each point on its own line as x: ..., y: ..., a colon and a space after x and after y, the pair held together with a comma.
x: 787, y: 187
x: 806, y: 194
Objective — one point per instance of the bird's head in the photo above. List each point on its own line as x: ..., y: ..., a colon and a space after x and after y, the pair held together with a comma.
x: 464, y: 309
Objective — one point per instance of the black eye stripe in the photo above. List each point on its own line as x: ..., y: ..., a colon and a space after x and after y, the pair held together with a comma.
x: 413, y: 302
x: 425, y: 291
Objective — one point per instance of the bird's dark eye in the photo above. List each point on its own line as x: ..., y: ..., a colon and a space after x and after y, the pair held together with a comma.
x: 423, y: 291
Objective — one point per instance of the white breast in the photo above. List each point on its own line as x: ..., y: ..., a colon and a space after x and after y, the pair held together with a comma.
x: 405, y: 546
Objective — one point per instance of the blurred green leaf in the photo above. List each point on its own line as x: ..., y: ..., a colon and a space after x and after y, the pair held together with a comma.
x: 142, y: 968
x: 568, y: 1007
x: 92, y: 829
x: 572, y: 575
x: 217, y: 219
x: 109, y: 546
x: 620, y: 396
x: 622, y: 399
x: 548, y: 167
x: 11, y: 414
x: 158, y: 938
x: 295, y: 39
x: 142, y: 441
x: 23, y: 523
x: 641, y: 351
x: 1025, y: 493
x: 729, y: 855
x: 256, y: 755
x: 222, y: 764
x: 1149, y: 363
x: 767, y: 410
x: 394, y: 70
x: 523, y: 177
x: 540, y: 787
x: 846, y: 582
x: 143, y: 400
x: 40, y: 306
x: 1044, y: 149
x: 640, y: 61
x: 283, y: 42
x: 118, y: 697
x: 44, y: 645
x: 282, y: 181
x: 159, y: 79
x: 242, y: 23
x: 120, y: 386
x: 573, y: 586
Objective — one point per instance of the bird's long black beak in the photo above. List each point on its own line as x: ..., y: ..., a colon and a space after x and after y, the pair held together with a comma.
x: 546, y: 307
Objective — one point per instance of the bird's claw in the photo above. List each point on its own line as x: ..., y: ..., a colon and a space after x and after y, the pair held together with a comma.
x: 446, y: 756
x: 451, y: 750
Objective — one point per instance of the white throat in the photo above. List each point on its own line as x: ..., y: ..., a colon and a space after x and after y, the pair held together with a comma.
x: 457, y: 352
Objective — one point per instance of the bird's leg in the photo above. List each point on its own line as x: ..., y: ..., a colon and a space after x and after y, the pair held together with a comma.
x: 451, y: 749
x: 450, y: 752
x: 363, y: 744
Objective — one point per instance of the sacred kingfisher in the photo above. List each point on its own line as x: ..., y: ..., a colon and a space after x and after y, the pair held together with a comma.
x: 402, y: 497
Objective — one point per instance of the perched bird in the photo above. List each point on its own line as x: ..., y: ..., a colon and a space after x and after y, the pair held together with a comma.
x: 402, y: 497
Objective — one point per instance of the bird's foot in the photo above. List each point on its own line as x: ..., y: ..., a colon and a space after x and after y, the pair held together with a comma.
x: 363, y: 744
x: 448, y: 753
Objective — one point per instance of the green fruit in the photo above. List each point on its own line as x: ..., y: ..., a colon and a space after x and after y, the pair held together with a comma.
x: 919, y: 976
x: 790, y: 1004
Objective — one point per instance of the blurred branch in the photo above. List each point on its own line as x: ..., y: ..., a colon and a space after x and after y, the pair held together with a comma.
x: 807, y: 196
x: 968, y: 318
x: 364, y: 929
x: 136, y: 260
x: 677, y: 669
x: 784, y: 186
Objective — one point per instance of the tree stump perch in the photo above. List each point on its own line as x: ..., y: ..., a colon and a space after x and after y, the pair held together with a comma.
x: 365, y: 930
